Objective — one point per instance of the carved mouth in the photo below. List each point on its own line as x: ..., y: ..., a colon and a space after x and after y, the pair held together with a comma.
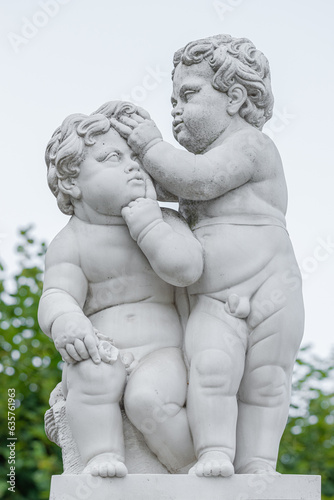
x: 137, y: 177
x: 177, y: 125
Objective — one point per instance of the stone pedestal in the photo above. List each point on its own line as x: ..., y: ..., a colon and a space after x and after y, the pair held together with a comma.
x: 184, y: 487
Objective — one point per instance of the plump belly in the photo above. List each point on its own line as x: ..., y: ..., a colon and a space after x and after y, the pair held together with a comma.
x: 140, y: 327
x: 128, y: 288
x: 239, y: 258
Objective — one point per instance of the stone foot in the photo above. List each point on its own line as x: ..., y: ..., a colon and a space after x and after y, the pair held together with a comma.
x: 106, y: 465
x: 213, y: 463
x: 258, y: 467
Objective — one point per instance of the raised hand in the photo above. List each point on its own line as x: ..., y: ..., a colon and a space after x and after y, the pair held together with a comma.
x: 141, y: 133
x: 125, y: 124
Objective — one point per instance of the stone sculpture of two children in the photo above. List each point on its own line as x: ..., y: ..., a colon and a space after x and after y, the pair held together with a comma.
x: 110, y: 273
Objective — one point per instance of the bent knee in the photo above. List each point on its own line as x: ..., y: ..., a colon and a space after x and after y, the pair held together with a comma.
x: 217, y: 370
x: 265, y: 386
x: 145, y: 407
x: 146, y: 401
x: 97, y: 379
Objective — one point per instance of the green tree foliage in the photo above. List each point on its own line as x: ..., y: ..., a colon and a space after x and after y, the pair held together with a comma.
x: 30, y: 364
x: 307, y: 446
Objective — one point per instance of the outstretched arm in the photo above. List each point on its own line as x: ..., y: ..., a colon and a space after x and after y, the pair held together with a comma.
x: 60, y: 311
x: 187, y: 175
x: 166, y: 240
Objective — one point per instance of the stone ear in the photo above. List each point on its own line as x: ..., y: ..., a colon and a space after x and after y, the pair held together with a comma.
x: 68, y: 186
x: 237, y: 96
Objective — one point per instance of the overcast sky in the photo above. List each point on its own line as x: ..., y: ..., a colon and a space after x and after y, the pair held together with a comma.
x: 66, y: 56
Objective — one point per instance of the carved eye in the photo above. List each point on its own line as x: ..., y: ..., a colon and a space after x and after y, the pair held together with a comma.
x: 188, y: 94
x: 114, y: 157
x: 255, y: 93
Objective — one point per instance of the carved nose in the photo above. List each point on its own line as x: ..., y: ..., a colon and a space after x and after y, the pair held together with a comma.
x: 176, y: 111
x: 132, y: 165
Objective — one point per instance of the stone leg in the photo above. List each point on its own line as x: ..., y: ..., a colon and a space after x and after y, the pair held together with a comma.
x: 94, y: 416
x: 264, y: 395
x: 154, y: 402
x: 215, y: 347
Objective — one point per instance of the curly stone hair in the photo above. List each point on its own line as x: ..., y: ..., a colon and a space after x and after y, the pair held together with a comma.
x: 234, y: 60
x: 67, y: 146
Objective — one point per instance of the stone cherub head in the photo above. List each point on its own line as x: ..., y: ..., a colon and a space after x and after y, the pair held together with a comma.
x: 234, y: 61
x: 70, y: 149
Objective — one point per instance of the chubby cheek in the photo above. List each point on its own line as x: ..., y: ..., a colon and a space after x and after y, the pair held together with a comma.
x: 135, y: 191
x: 194, y: 123
x: 109, y: 202
x: 196, y: 135
x: 200, y: 116
x: 101, y: 196
x: 121, y: 197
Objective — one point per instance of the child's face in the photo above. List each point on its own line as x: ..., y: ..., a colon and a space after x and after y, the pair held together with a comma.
x: 109, y: 176
x: 199, y: 111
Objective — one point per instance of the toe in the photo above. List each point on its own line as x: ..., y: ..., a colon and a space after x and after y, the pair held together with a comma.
x: 215, y: 468
x: 200, y: 470
x: 121, y: 470
x: 207, y: 469
x: 226, y: 469
x: 94, y: 470
x: 104, y: 470
x: 111, y: 470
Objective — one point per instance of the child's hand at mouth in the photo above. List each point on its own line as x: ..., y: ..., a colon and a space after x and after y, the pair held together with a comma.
x: 143, y: 213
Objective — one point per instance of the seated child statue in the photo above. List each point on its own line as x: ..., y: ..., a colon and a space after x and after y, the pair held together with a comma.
x: 247, y: 316
x: 110, y: 277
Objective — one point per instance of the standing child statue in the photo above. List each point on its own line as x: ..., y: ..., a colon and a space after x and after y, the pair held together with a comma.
x: 247, y: 315
x: 109, y: 277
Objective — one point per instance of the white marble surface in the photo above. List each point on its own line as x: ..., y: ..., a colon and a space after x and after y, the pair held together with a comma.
x: 185, y: 487
x: 212, y: 396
